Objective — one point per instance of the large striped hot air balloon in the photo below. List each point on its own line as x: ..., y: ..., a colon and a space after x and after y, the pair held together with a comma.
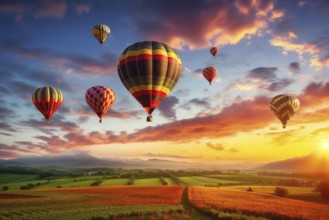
x: 100, y: 99
x: 47, y: 100
x: 284, y: 107
x: 209, y: 73
x: 101, y: 32
x: 149, y: 70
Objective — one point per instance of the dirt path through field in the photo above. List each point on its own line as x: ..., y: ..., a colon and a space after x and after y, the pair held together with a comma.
x: 194, y: 214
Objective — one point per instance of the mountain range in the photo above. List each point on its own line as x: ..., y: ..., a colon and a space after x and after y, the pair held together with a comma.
x: 310, y: 163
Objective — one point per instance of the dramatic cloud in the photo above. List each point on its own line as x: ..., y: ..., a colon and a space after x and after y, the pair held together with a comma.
x: 84, y: 110
x: 318, y: 49
x: 320, y: 63
x: 287, y: 45
x: 214, y: 22
x: 315, y: 94
x: 11, y: 151
x: 166, y: 108
x: 228, y: 122
x: 217, y: 146
x: 6, y: 127
x: 204, y: 103
x: 6, y: 113
x: 67, y: 62
x: 294, y: 67
x: 36, y: 9
x: 261, y: 78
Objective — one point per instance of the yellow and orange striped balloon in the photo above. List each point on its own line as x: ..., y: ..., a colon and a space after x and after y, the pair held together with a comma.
x: 47, y: 100
x: 284, y: 107
x: 101, y: 32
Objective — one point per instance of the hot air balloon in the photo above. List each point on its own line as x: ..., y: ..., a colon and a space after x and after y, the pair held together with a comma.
x: 150, y: 71
x: 47, y: 100
x: 101, y: 32
x: 284, y: 107
x: 209, y: 73
x: 100, y: 99
x: 214, y: 51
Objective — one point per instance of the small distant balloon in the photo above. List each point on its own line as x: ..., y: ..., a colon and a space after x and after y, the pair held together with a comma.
x: 100, y: 99
x: 214, y: 51
x: 284, y: 107
x: 47, y: 100
x: 209, y: 73
x: 101, y: 32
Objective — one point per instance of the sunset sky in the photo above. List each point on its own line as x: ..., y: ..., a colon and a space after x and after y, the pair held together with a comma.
x: 266, y: 48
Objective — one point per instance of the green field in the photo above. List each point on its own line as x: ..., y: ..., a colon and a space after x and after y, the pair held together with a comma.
x: 246, y: 178
x: 170, y: 182
x: 203, y: 181
x: 115, y: 182
x: 148, y: 182
x: 44, y: 183
x: 14, y: 178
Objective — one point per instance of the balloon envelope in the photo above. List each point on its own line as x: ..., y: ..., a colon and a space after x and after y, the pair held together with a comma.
x: 101, y: 32
x: 284, y: 107
x: 209, y: 73
x: 214, y: 51
x: 149, y: 70
x: 100, y: 99
x: 47, y: 100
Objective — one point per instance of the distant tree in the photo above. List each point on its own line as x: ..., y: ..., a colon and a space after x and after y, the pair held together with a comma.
x: 249, y: 189
x: 24, y: 187
x: 323, y: 188
x: 96, y: 183
x: 131, y: 180
x: 5, y: 188
x: 281, y: 191
x: 163, y: 181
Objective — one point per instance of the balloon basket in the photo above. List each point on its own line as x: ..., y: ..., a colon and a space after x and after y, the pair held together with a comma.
x: 149, y: 118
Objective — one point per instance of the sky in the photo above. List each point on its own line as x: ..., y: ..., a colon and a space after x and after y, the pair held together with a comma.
x: 266, y: 48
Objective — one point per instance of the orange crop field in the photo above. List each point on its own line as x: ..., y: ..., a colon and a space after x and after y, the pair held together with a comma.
x: 259, y: 204
x: 127, y: 195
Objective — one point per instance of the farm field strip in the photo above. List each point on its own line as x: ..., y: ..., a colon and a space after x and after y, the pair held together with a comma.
x: 255, y: 203
x: 115, y: 182
x: 11, y: 178
x: 90, y: 201
x: 148, y: 182
x: 170, y: 182
x: 202, y: 181
x: 300, y: 193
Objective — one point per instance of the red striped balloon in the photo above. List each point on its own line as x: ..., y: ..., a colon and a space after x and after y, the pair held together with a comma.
x: 47, y: 100
x: 209, y: 73
x: 100, y: 99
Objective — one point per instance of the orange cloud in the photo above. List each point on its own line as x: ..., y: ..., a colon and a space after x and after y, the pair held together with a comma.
x: 315, y: 94
x: 320, y: 63
x: 214, y: 22
x: 287, y: 45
